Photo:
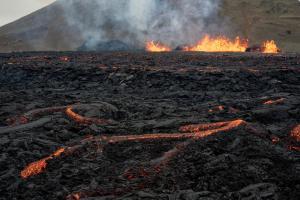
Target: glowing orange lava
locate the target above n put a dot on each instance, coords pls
(204, 130)
(190, 131)
(84, 120)
(40, 165)
(156, 47)
(219, 44)
(34, 168)
(270, 47)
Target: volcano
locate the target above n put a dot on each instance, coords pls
(257, 20)
(213, 119)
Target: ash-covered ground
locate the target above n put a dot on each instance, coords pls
(143, 93)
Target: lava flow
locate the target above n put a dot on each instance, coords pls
(190, 131)
(40, 165)
(156, 166)
(219, 44)
(84, 120)
(157, 47)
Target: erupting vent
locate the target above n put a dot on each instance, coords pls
(270, 47)
(218, 44)
(157, 47)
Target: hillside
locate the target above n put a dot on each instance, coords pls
(257, 20)
(261, 20)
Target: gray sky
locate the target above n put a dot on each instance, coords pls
(11, 10)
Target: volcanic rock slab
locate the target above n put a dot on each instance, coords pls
(54, 102)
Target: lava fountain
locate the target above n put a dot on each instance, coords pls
(219, 44)
(270, 47)
(157, 47)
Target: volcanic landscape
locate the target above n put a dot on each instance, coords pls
(138, 125)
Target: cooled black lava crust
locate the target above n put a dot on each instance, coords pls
(153, 93)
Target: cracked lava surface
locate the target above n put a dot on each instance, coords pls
(149, 126)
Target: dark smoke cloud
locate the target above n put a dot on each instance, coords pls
(136, 21)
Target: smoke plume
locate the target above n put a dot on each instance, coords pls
(135, 21)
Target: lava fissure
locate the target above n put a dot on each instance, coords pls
(217, 44)
(195, 131)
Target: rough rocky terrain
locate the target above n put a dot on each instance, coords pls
(143, 93)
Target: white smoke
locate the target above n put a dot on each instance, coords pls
(173, 22)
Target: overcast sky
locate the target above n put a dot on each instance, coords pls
(11, 10)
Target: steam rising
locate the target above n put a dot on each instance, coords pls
(136, 21)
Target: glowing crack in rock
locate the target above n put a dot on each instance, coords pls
(156, 166)
(84, 120)
(202, 130)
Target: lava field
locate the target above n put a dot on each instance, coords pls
(137, 125)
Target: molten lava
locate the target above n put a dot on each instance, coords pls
(270, 47)
(40, 165)
(84, 120)
(204, 130)
(157, 47)
(219, 44)
(34, 168)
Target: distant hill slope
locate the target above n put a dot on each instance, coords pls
(258, 20)
(43, 30)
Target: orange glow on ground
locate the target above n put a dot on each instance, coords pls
(84, 120)
(203, 130)
(188, 132)
(39, 166)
